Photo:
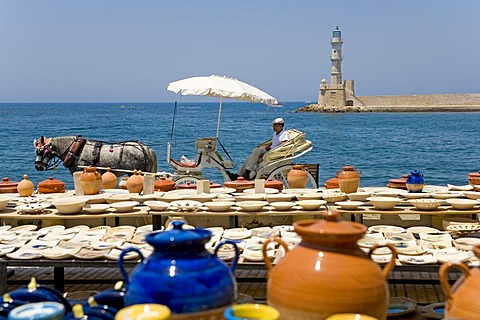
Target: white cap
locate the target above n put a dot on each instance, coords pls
(278, 120)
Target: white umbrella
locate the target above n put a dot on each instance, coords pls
(223, 87)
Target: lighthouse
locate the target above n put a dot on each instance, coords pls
(336, 56)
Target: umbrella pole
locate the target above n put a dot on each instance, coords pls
(219, 114)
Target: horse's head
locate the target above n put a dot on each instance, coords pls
(45, 153)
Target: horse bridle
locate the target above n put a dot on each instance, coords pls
(46, 150)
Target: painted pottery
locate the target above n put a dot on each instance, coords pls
(348, 179)
(462, 298)
(111, 297)
(181, 273)
(415, 182)
(240, 184)
(331, 183)
(38, 311)
(135, 182)
(7, 186)
(297, 177)
(333, 271)
(109, 179)
(164, 184)
(91, 181)
(51, 185)
(251, 311)
(25, 187)
(144, 311)
(474, 178)
(398, 183)
(274, 184)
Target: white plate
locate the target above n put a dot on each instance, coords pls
(26, 227)
(368, 242)
(236, 233)
(396, 237)
(381, 258)
(114, 254)
(386, 228)
(463, 227)
(186, 205)
(267, 191)
(96, 207)
(58, 253)
(451, 255)
(466, 243)
(223, 190)
(256, 255)
(32, 208)
(459, 188)
(422, 229)
(5, 250)
(423, 259)
(24, 254)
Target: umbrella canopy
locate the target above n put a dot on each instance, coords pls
(222, 87)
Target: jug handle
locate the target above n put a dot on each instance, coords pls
(237, 252)
(120, 262)
(268, 263)
(391, 263)
(443, 272)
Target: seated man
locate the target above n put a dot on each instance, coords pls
(280, 136)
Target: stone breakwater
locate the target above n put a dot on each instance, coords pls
(406, 103)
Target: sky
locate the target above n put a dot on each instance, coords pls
(119, 50)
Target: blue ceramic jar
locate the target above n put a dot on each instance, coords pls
(181, 273)
(415, 181)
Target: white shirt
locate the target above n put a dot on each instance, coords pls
(277, 139)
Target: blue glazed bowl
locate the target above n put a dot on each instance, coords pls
(181, 274)
(111, 297)
(38, 311)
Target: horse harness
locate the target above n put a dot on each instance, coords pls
(73, 152)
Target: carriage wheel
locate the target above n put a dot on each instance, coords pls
(281, 174)
(186, 180)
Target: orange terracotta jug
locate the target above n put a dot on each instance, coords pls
(135, 182)
(25, 187)
(91, 181)
(462, 298)
(109, 179)
(327, 273)
(348, 179)
(297, 177)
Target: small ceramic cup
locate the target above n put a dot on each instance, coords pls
(251, 311)
(38, 311)
(350, 316)
(145, 312)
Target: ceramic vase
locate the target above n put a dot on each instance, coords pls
(348, 179)
(462, 298)
(109, 180)
(91, 181)
(25, 187)
(297, 177)
(415, 181)
(334, 273)
(135, 182)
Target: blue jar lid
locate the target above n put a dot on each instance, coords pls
(38, 311)
(178, 237)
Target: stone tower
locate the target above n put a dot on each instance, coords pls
(338, 93)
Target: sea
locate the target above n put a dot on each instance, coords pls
(442, 146)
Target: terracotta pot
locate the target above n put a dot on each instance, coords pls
(331, 183)
(25, 187)
(398, 183)
(297, 177)
(7, 186)
(274, 184)
(333, 270)
(91, 181)
(474, 178)
(240, 184)
(51, 186)
(109, 180)
(190, 185)
(348, 179)
(164, 184)
(135, 182)
(462, 298)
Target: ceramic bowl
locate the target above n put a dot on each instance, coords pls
(350, 316)
(69, 205)
(415, 195)
(42, 310)
(469, 194)
(186, 205)
(425, 204)
(446, 195)
(282, 205)
(124, 206)
(204, 197)
(349, 205)
(144, 311)
(252, 205)
(218, 206)
(251, 311)
(96, 207)
(141, 198)
(157, 205)
(334, 196)
(118, 198)
(250, 197)
(309, 196)
(32, 208)
(3, 202)
(279, 197)
(462, 204)
(359, 196)
(383, 203)
(311, 204)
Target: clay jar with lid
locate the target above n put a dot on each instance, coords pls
(398, 183)
(164, 184)
(25, 187)
(348, 179)
(91, 181)
(240, 184)
(7, 186)
(474, 178)
(51, 185)
(274, 184)
(462, 298)
(334, 273)
(135, 182)
(297, 177)
(109, 179)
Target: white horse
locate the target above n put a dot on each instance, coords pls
(77, 151)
